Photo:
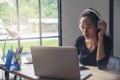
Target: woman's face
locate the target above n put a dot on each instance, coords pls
(87, 28)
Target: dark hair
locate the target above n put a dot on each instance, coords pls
(93, 17)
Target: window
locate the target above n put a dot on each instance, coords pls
(36, 20)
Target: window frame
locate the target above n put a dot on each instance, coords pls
(40, 31)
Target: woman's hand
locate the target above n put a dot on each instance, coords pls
(100, 51)
(103, 26)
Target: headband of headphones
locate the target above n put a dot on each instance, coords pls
(94, 11)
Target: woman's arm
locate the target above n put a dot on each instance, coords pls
(100, 50)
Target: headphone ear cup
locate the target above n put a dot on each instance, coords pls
(98, 28)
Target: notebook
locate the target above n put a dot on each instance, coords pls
(59, 63)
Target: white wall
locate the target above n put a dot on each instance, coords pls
(70, 16)
(117, 28)
(71, 9)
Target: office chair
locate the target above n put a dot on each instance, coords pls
(114, 64)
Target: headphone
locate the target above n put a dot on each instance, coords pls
(94, 11)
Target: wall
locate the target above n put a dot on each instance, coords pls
(71, 9)
(70, 15)
(117, 28)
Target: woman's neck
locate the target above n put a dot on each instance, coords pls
(91, 44)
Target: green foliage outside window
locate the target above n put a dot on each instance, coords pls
(48, 9)
(26, 44)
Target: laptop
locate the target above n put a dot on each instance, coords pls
(59, 63)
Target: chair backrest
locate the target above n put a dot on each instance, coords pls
(114, 64)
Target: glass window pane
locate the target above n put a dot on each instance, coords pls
(49, 17)
(27, 43)
(28, 13)
(50, 42)
(9, 45)
(7, 17)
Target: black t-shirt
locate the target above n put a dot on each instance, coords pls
(89, 58)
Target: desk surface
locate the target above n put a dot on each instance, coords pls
(102, 75)
(27, 72)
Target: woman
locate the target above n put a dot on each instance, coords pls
(94, 47)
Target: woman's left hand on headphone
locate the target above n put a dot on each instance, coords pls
(103, 26)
